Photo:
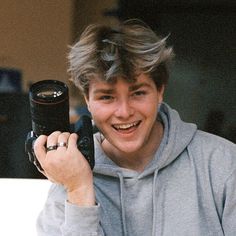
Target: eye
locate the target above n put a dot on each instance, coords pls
(139, 93)
(106, 97)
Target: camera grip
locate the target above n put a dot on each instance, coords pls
(29, 144)
(84, 129)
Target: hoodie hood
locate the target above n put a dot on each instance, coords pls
(177, 135)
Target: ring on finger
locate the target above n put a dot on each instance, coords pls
(51, 148)
(62, 144)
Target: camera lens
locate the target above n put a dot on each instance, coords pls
(49, 104)
(49, 93)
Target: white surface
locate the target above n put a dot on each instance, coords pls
(21, 200)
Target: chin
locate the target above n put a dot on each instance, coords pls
(128, 147)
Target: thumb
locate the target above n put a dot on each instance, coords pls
(39, 147)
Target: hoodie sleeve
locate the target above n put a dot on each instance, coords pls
(61, 218)
(229, 212)
(81, 221)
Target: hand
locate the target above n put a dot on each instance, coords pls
(65, 165)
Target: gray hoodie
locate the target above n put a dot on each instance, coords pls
(189, 189)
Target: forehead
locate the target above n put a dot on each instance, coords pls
(141, 79)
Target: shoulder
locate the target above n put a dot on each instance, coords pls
(213, 154)
(209, 143)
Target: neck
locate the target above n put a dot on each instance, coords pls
(139, 159)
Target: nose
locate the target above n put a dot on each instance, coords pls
(124, 109)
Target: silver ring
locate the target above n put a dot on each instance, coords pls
(51, 148)
(61, 144)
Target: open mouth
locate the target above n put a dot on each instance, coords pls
(126, 127)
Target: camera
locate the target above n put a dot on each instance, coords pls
(49, 108)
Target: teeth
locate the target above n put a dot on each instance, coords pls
(125, 126)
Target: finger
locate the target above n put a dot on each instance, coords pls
(72, 141)
(52, 140)
(63, 140)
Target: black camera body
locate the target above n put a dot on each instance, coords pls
(49, 107)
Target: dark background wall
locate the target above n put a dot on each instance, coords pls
(202, 86)
(15, 123)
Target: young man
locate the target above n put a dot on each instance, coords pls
(154, 173)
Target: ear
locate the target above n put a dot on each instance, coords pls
(86, 98)
(161, 93)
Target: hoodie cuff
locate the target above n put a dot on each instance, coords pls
(82, 219)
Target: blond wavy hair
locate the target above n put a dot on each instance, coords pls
(125, 50)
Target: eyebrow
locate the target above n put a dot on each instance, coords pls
(131, 88)
(107, 91)
(138, 86)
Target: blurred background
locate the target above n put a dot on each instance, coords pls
(35, 38)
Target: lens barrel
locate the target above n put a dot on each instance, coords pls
(49, 106)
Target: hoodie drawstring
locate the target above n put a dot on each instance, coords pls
(154, 203)
(123, 218)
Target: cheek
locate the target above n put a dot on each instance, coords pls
(99, 113)
(151, 113)
(149, 107)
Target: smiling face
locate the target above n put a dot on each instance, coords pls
(125, 112)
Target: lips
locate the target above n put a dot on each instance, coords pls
(127, 126)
